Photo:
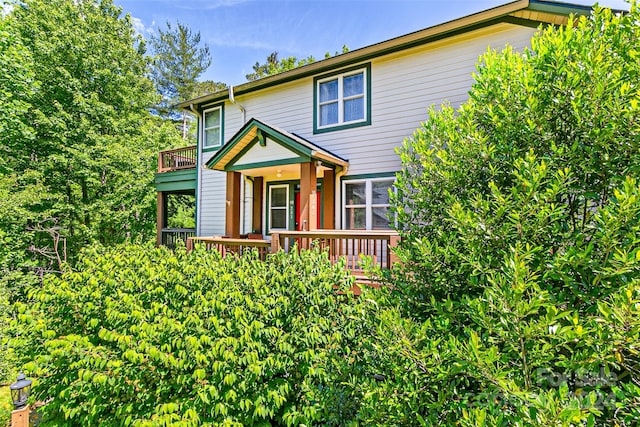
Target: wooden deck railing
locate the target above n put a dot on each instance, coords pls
(227, 246)
(177, 159)
(346, 244)
(340, 244)
(170, 236)
(350, 245)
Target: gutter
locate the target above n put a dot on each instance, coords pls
(366, 53)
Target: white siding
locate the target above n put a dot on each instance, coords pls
(247, 206)
(271, 151)
(404, 86)
(212, 188)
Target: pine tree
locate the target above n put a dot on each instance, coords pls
(180, 58)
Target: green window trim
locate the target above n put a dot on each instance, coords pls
(366, 205)
(291, 220)
(209, 148)
(339, 76)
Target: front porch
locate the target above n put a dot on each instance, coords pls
(275, 190)
(293, 181)
(355, 248)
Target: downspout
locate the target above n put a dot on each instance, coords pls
(232, 99)
(198, 171)
(338, 214)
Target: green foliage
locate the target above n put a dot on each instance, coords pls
(87, 145)
(519, 287)
(146, 336)
(274, 65)
(18, 89)
(181, 211)
(206, 87)
(78, 143)
(179, 61)
(5, 405)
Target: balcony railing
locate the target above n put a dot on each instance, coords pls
(177, 159)
(170, 236)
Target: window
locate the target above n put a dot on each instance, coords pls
(212, 128)
(366, 204)
(279, 207)
(342, 100)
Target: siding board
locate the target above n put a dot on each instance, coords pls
(404, 85)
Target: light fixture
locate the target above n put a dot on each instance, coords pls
(20, 391)
(279, 173)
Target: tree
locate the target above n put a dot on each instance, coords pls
(179, 60)
(90, 141)
(19, 87)
(207, 87)
(273, 65)
(520, 212)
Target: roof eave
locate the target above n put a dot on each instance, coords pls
(362, 53)
(395, 44)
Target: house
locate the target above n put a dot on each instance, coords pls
(313, 148)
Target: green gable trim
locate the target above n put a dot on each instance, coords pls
(289, 161)
(367, 122)
(293, 147)
(176, 181)
(267, 132)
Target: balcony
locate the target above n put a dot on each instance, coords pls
(177, 159)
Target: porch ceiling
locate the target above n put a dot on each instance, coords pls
(281, 149)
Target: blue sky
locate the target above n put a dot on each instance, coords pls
(241, 32)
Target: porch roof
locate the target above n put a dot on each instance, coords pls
(291, 149)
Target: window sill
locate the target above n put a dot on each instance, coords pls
(208, 149)
(341, 127)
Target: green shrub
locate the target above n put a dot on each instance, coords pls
(519, 289)
(145, 336)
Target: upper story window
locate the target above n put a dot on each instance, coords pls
(212, 128)
(366, 203)
(342, 100)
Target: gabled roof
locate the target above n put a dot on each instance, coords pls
(256, 132)
(522, 12)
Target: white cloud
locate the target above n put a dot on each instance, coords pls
(232, 40)
(199, 5)
(6, 8)
(140, 28)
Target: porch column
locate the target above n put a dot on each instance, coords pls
(232, 217)
(328, 199)
(256, 213)
(161, 216)
(307, 189)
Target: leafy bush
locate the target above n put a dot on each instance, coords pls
(144, 336)
(519, 289)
